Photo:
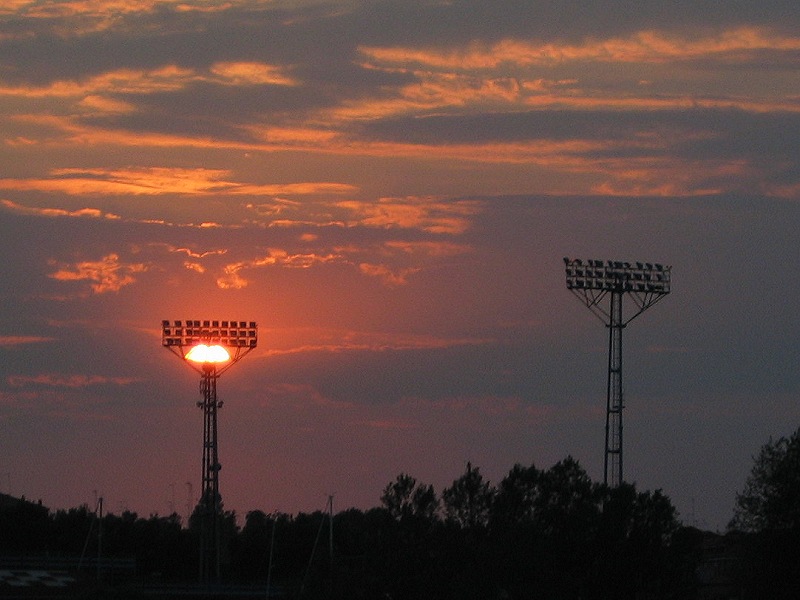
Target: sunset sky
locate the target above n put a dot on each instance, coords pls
(388, 187)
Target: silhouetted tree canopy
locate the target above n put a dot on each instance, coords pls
(468, 501)
(770, 500)
(768, 510)
(515, 496)
(405, 498)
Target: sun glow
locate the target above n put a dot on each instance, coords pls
(208, 354)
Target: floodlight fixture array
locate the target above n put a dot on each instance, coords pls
(592, 282)
(210, 347)
(238, 337)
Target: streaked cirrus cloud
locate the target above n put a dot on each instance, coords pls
(157, 181)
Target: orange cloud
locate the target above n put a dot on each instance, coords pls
(643, 47)
(389, 276)
(106, 275)
(160, 181)
(149, 181)
(93, 213)
(412, 213)
(168, 78)
(787, 191)
(193, 266)
(67, 131)
(580, 100)
(67, 381)
(233, 274)
(105, 11)
(475, 76)
(315, 339)
(432, 90)
(669, 177)
(305, 188)
(432, 215)
(91, 92)
(20, 340)
(572, 156)
(98, 104)
(250, 73)
(467, 93)
(435, 249)
(292, 135)
(232, 278)
(193, 253)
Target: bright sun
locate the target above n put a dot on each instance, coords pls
(208, 354)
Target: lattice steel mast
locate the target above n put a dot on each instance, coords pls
(593, 281)
(210, 348)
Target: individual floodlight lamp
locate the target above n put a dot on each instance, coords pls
(210, 348)
(592, 282)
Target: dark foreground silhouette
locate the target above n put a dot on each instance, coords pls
(549, 534)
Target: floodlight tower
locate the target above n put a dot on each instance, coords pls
(210, 348)
(593, 281)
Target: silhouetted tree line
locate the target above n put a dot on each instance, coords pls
(550, 533)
